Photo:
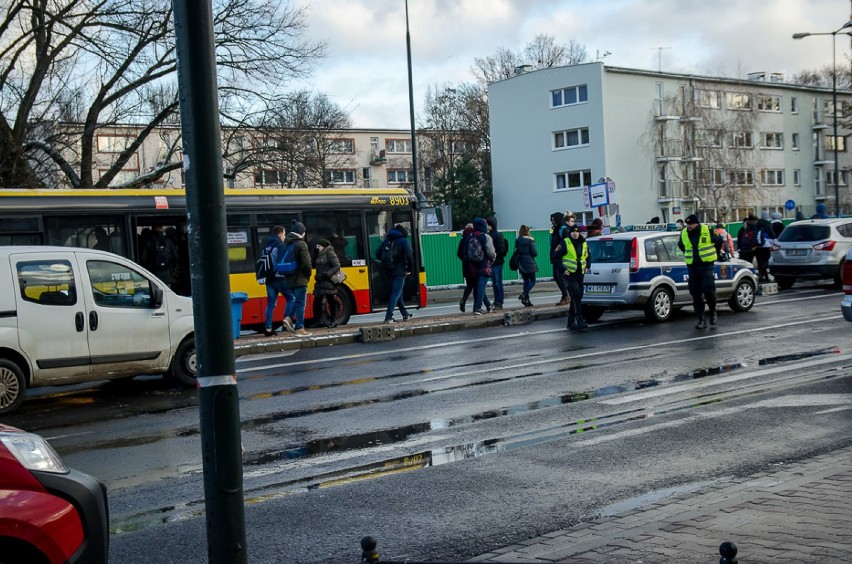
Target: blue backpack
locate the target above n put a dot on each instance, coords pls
(287, 263)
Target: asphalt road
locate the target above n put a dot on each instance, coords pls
(446, 446)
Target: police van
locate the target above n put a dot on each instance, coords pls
(644, 269)
(70, 315)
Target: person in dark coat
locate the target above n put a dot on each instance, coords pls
(325, 290)
(525, 246)
(403, 265)
(698, 244)
(294, 312)
(558, 233)
(160, 256)
(276, 284)
(577, 262)
(777, 225)
(469, 278)
(481, 271)
(501, 248)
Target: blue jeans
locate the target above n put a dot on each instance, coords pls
(295, 309)
(397, 283)
(479, 296)
(529, 282)
(497, 283)
(273, 288)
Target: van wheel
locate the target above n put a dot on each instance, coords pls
(184, 368)
(743, 297)
(13, 386)
(659, 307)
(785, 282)
(592, 313)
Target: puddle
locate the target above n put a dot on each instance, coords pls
(798, 356)
(712, 371)
(653, 497)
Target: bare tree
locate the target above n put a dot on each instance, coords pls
(540, 53)
(74, 68)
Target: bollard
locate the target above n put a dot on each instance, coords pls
(368, 550)
(727, 549)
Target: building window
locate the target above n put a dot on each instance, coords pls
(398, 145)
(744, 177)
(841, 143)
(571, 138)
(797, 177)
(773, 177)
(742, 140)
(795, 141)
(708, 99)
(794, 105)
(460, 146)
(739, 101)
(113, 143)
(768, 103)
(569, 96)
(573, 179)
(400, 176)
(829, 178)
(341, 146)
(712, 176)
(270, 177)
(772, 140)
(340, 176)
(710, 138)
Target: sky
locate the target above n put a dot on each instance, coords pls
(366, 70)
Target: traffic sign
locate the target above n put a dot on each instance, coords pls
(789, 205)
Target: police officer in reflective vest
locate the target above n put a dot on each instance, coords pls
(575, 259)
(698, 244)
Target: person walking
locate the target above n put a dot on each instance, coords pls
(481, 269)
(777, 225)
(725, 249)
(577, 263)
(525, 247)
(558, 233)
(763, 246)
(699, 249)
(297, 281)
(325, 289)
(501, 248)
(276, 284)
(397, 260)
(746, 239)
(469, 279)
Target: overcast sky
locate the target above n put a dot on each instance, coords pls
(366, 70)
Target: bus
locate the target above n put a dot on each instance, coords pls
(354, 220)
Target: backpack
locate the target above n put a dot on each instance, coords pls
(747, 243)
(388, 254)
(162, 253)
(473, 251)
(287, 262)
(761, 237)
(264, 269)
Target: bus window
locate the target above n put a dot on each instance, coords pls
(103, 233)
(20, 231)
(344, 231)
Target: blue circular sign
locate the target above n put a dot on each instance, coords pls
(789, 205)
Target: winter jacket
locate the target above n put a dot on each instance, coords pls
(327, 266)
(526, 254)
(501, 245)
(302, 275)
(480, 231)
(404, 256)
(557, 236)
(460, 251)
(777, 228)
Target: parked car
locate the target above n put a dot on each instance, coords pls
(811, 249)
(48, 512)
(645, 270)
(846, 275)
(72, 315)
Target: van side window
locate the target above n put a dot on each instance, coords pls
(47, 282)
(115, 285)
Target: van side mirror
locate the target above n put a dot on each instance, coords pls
(156, 296)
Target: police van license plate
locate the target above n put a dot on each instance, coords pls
(599, 288)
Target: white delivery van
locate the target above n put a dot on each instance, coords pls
(70, 315)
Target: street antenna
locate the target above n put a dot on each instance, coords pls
(660, 57)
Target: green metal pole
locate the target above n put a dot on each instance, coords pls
(219, 411)
(411, 110)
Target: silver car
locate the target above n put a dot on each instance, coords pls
(645, 270)
(846, 275)
(811, 249)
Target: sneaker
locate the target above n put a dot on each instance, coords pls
(288, 324)
(479, 312)
(390, 320)
(268, 332)
(700, 324)
(713, 318)
(489, 309)
(498, 307)
(407, 316)
(300, 331)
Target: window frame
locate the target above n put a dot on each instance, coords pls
(345, 172)
(409, 176)
(391, 146)
(777, 174)
(565, 133)
(739, 101)
(766, 135)
(581, 96)
(775, 103)
(703, 99)
(566, 175)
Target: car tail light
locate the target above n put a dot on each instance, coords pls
(825, 246)
(634, 255)
(775, 248)
(847, 277)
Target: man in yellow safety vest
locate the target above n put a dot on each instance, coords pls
(576, 261)
(698, 244)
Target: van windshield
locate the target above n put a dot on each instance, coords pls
(609, 250)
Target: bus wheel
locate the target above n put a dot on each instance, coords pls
(13, 386)
(343, 302)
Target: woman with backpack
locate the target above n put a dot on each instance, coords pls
(325, 289)
(469, 279)
(525, 248)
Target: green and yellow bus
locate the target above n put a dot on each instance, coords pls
(354, 220)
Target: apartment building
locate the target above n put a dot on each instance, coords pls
(672, 144)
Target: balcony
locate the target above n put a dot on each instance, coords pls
(378, 158)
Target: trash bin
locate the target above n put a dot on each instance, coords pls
(237, 301)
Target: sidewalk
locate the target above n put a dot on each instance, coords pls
(798, 513)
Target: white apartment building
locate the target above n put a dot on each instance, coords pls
(673, 144)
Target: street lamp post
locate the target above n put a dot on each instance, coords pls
(833, 35)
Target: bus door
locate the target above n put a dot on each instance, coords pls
(174, 227)
(378, 224)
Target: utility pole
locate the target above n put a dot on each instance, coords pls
(411, 110)
(218, 400)
(660, 57)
